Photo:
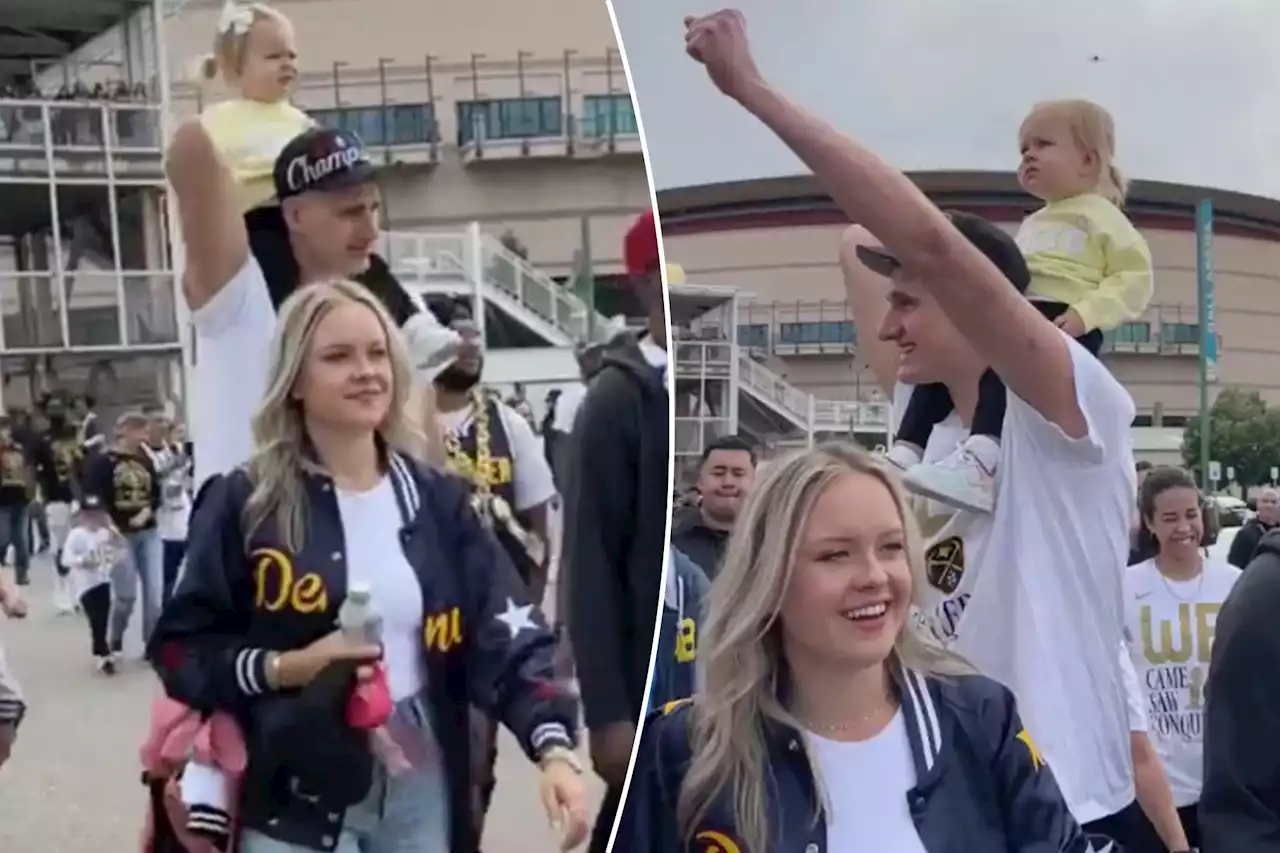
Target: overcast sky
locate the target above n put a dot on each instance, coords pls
(1194, 85)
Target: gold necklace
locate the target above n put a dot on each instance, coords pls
(856, 722)
(1195, 596)
(475, 470)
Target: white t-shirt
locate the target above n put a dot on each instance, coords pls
(1170, 627)
(867, 784)
(175, 502)
(233, 334)
(530, 473)
(89, 554)
(567, 406)
(371, 523)
(1133, 693)
(1032, 593)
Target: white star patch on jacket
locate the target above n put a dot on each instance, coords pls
(517, 618)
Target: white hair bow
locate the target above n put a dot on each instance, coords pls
(236, 18)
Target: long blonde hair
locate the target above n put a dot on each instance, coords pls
(279, 432)
(1093, 130)
(740, 658)
(229, 42)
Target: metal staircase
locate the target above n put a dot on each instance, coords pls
(456, 262)
(805, 412)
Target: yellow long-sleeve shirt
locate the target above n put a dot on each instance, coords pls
(249, 135)
(1084, 252)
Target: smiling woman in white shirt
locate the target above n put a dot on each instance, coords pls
(823, 719)
(1171, 608)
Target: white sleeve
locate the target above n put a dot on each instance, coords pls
(567, 408)
(1133, 692)
(233, 333)
(73, 550)
(534, 484)
(1107, 407)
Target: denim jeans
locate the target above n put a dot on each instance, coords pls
(13, 532)
(408, 813)
(142, 570)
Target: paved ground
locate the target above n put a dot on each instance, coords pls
(72, 784)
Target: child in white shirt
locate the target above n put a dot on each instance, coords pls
(91, 552)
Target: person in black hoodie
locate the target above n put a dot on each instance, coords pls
(616, 526)
(1240, 801)
(1252, 531)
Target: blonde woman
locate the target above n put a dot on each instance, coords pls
(333, 498)
(823, 722)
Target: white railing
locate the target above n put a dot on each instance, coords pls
(771, 387)
(475, 257)
(805, 411)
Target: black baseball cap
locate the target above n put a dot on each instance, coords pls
(990, 239)
(321, 159)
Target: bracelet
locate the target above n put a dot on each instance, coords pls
(273, 670)
(562, 754)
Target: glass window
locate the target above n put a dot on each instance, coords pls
(604, 116)
(1129, 333)
(510, 118)
(755, 335)
(399, 124)
(1180, 333)
(825, 332)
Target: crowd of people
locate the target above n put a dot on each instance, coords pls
(999, 633)
(68, 125)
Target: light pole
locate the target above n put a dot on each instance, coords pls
(1208, 358)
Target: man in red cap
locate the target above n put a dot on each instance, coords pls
(616, 524)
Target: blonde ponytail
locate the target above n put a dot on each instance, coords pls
(1115, 186)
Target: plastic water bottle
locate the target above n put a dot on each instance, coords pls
(358, 618)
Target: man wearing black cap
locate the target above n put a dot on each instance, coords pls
(1030, 593)
(329, 204)
(616, 523)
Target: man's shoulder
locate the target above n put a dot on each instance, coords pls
(242, 304)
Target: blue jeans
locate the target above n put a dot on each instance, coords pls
(13, 531)
(408, 813)
(142, 570)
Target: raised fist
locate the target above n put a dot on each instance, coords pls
(719, 42)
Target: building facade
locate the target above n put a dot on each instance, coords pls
(513, 116)
(775, 242)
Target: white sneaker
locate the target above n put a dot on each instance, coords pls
(902, 456)
(960, 480)
(62, 597)
(432, 347)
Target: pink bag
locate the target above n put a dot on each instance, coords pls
(176, 735)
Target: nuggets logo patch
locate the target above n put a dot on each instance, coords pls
(944, 563)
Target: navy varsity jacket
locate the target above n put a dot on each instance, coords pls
(244, 593)
(981, 783)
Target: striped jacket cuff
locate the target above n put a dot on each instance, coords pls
(208, 821)
(12, 710)
(548, 735)
(251, 671)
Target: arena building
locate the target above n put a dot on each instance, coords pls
(509, 144)
(773, 244)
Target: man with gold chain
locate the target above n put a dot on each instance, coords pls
(494, 448)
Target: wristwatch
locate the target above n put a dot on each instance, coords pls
(562, 754)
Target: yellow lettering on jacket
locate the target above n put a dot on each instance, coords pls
(443, 631)
(277, 586)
